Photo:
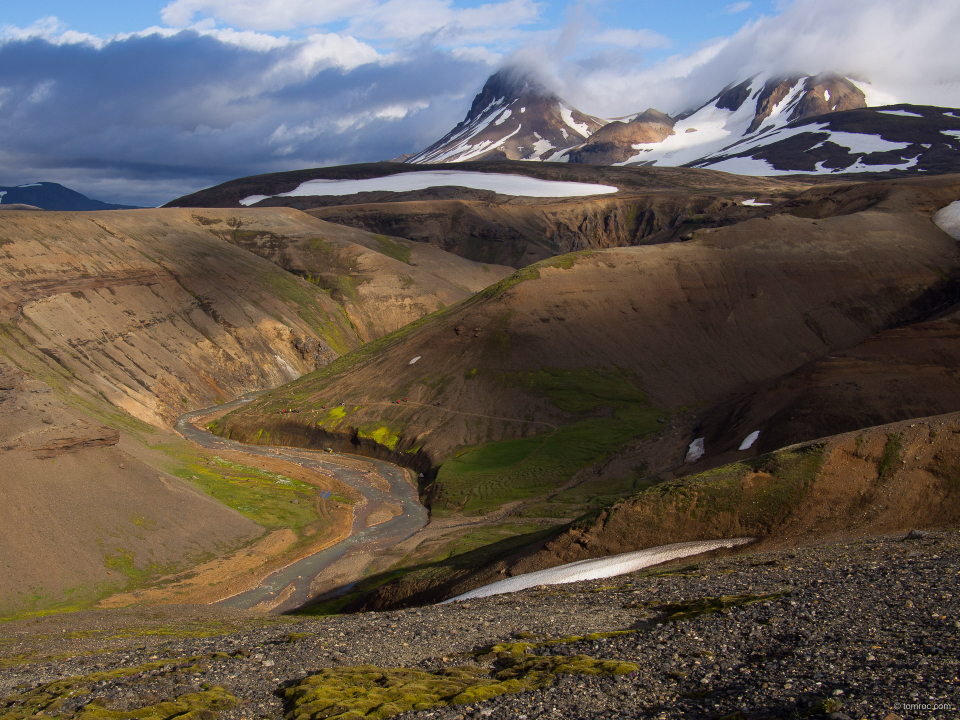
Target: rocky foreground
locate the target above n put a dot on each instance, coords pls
(861, 629)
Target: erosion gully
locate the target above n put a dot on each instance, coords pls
(292, 583)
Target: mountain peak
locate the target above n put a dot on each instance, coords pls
(506, 85)
(515, 117)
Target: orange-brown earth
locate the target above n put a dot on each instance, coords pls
(114, 323)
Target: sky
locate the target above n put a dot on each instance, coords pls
(139, 102)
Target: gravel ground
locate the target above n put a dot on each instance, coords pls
(863, 629)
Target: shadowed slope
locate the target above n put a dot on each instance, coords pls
(612, 335)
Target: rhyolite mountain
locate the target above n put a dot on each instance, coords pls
(53, 196)
(764, 125)
(514, 117)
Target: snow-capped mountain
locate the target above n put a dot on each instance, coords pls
(514, 117)
(765, 125)
(916, 138)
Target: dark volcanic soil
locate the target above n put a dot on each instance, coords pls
(865, 629)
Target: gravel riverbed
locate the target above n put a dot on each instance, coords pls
(860, 629)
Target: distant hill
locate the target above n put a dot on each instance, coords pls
(53, 196)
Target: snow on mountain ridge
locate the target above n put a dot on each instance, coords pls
(767, 124)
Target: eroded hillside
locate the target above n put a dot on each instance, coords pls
(157, 312)
(112, 325)
(514, 391)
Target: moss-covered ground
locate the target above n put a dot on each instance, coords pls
(392, 248)
(264, 497)
(606, 408)
(73, 698)
(779, 481)
(372, 692)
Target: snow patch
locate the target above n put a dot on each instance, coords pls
(540, 147)
(695, 451)
(901, 113)
(30, 185)
(503, 116)
(753, 202)
(948, 219)
(749, 440)
(861, 143)
(415, 359)
(746, 166)
(251, 199)
(601, 568)
(826, 95)
(567, 115)
(2, 193)
(860, 166)
(952, 133)
(502, 183)
(523, 109)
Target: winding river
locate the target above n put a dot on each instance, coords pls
(292, 583)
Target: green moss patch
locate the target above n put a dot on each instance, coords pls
(71, 698)
(760, 492)
(532, 272)
(889, 460)
(371, 692)
(264, 497)
(607, 409)
(380, 435)
(393, 249)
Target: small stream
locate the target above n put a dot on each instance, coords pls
(301, 573)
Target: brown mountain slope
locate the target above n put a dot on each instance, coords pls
(613, 143)
(156, 312)
(382, 283)
(601, 343)
(82, 513)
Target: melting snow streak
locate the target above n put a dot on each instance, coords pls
(602, 568)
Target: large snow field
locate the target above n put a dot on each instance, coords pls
(601, 568)
(862, 143)
(948, 219)
(403, 182)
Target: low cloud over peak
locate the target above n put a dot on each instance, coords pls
(234, 87)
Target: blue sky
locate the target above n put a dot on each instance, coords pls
(140, 102)
(686, 23)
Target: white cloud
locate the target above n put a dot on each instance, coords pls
(906, 48)
(737, 7)
(624, 37)
(48, 28)
(389, 20)
(266, 15)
